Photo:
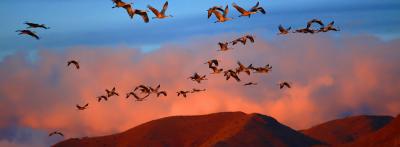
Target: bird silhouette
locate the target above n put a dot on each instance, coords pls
(222, 17)
(111, 92)
(161, 93)
(194, 90)
(160, 15)
(243, 39)
(243, 68)
(211, 62)
(157, 91)
(223, 46)
(28, 32)
(305, 31)
(216, 70)
(196, 77)
(256, 8)
(283, 31)
(329, 27)
(267, 68)
(183, 93)
(74, 62)
(131, 12)
(35, 25)
(284, 84)
(214, 8)
(230, 73)
(82, 107)
(56, 133)
(249, 83)
(248, 13)
(99, 98)
(119, 4)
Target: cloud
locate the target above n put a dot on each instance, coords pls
(330, 76)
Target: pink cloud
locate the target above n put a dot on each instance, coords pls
(330, 76)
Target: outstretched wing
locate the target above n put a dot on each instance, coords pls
(129, 10)
(33, 35)
(238, 8)
(218, 15)
(154, 10)
(309, 23)
(143, 14)
(165, 7)
(256, 6)
(261, 9)
(281, 28)
(226, 11)
(251, 38)
(162, 93)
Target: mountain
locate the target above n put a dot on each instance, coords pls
(388, 136)
(348, 129)
(218, 129)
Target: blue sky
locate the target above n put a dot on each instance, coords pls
(95, 23)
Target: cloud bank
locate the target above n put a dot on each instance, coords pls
(331, 77)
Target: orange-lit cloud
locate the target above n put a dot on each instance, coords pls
(330, 76)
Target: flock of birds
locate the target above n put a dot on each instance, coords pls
(141, 92)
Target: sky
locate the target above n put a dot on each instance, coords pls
(335, 74)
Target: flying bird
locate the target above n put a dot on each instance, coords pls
(223, 46)
(119, 3)
(249, 83)
(222, 17)
(214, 8)
(160, 15)
(211, 62)
(56, 133)
(267, 68)
(111, 92)
(99, 98)
(161, 93)
(329, 27)
(305, 31)
(35, 25)
(308, 28)
(28, 32)
(250, 37)
(230, 73)
(74, 62)
(131, 12)
(241, 40)
(126, 6)
(256, 8)
(194, 90)
(284, 84)
(157, 91)
(216, 70)
(248, 13)
(196, 77)
(283, 31)
(82, 107)
(243, 68)
(183, 93)
(244, 39)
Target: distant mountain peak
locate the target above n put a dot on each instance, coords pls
(217, 129)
